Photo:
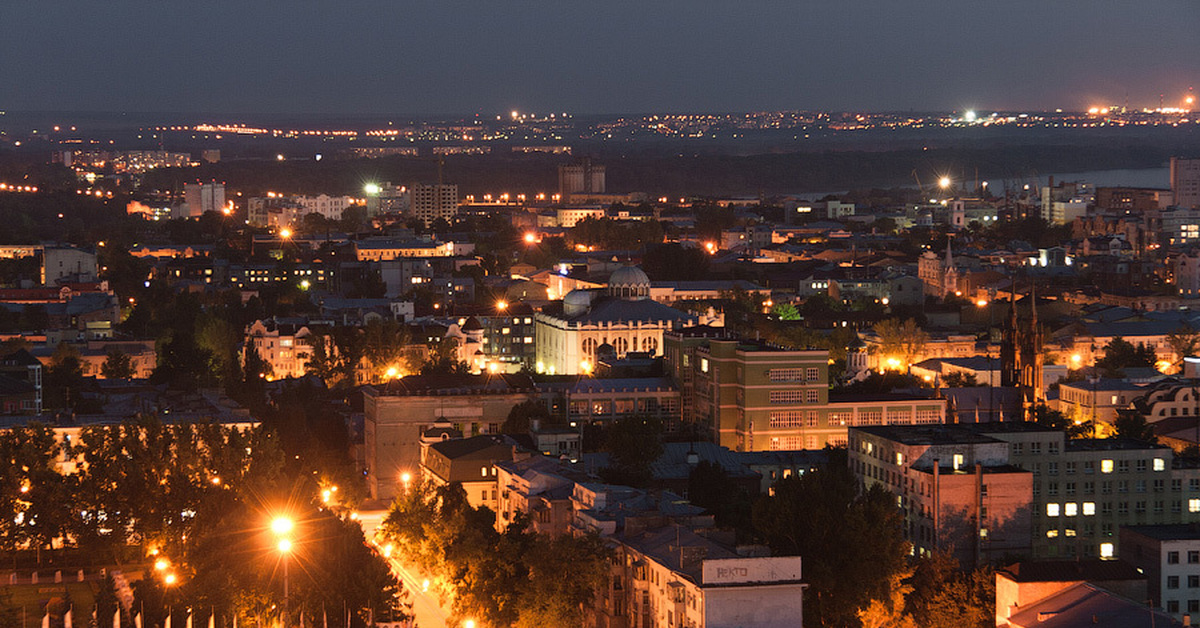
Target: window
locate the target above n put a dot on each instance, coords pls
(787, 418)
(786, 375)
(1106, 466)
(1193, 605)
(1141, 466)
(1194, 505)
(812, 396)
(1052, 509)
(1106, 550)
(1172, 558)
(1172, 606)
(813, 374)
(1122, 466)
(703, 365)
(1070, 509)
(1172, 582)
(1051, 534)
(1069, 468)
(786, 396)
(1193, 557)
(1051, 468)
(1089, 509)
(1160, 464)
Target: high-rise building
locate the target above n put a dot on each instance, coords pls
(1185, 181)
(430, 202)
(202, 197)
(583, 177)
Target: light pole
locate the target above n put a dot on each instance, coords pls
(282, 527)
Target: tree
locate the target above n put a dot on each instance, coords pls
(901, 341)
(941, 594)
(520, 419)
(890, 613)
(1120, 354)
(1055, 419)
(64, 378)
(1184, 342)
(633, 444)
(786, 312)
(1132, 424)
(852, 541)
(383, 347)
(958, 379)
(117, 365)
(711, 488)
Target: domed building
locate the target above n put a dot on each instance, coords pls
(622, 316)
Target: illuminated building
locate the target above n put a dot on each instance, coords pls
(571, 333)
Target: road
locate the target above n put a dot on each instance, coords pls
(427, 612)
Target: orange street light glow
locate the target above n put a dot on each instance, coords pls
(282, 525)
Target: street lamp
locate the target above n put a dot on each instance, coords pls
(282, 526)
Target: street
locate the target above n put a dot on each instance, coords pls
(425, 608)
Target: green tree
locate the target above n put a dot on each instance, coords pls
(1043, 415)
(675, 262)
(942, 594)
(958, 379)
(852, 541)
(1132, 424)
(64, 377)
(633, 444)
(711, 488)
(1184, 342)
(520, 419)
(1120, 354)
(902, 341)
(786, 312)
(117, 365)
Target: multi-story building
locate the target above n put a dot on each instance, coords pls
(580, 178)
(383, 250)
(753, 396)
(471, 462)
(572, 333)
(672, 576)
(1185, 181)
(1083, 491)
(397, 413)
(203, 197)
(281, 344)
(68, 264)
(955, 486)
(431, 202)
(1097, 400)
(1169, 556)
(606, 400)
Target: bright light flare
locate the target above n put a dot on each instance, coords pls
(282, 525)
(285, 546)
(944, 182)
(285, 233)
(530, 238)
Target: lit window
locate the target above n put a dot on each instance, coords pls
(958, 461)
(703, 365)
(1050, 534)
(1052, 509)
(1089, 509)
(1070, 509)
(1160, 464)
(1106, 550)
(1106, 466)
(1194, 505)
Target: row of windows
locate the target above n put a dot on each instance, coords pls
(794, 418)
(794, 396)
(802, 375)
(1071, 509)
(1106, 487)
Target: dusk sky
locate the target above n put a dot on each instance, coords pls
(453, 56)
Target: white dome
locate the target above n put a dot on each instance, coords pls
(577, 302)
(629, 283)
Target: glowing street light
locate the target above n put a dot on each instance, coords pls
(944, 182)
(285, 233)
(501, 305)
(285, 546)
(282, 525)
(371, 188)
(530, 238)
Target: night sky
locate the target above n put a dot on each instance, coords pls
(452, 56)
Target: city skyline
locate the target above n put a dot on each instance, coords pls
(374, 57)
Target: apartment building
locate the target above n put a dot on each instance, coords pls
(753, 396)
(1169, 556)
(1082, 491)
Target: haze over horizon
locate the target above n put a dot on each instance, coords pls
(373, 57)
